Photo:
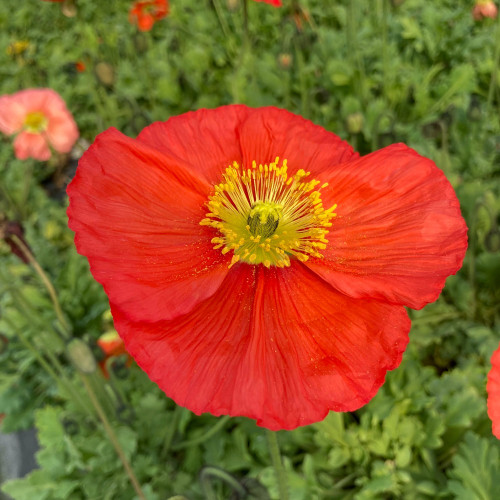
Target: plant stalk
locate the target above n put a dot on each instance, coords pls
(274, 451)
(112, 437)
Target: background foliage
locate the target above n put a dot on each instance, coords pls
(374, 72)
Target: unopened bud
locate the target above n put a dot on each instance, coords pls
(81, 356)
(105, 73)
(13, 234)
(355, 123)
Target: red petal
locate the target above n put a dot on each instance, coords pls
(493, 389)
(211, 139)
(399, 232)
(206, 139)
(270, 132)
(278, 345)
(136, 216)
(275, 3)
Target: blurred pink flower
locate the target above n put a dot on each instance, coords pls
(40, 119)
(484, 8)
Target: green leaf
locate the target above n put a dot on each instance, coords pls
(476, 470)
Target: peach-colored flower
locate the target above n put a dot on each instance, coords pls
(484, 8)
(40, 119)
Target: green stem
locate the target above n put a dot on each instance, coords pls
(170, 432)
(46, 281)
(216, 428)
(493, 81)
(222, 20)
(274, 451)
(212, 472)
(112, 437)
(304, 100)
(246, 33)
(382, 6)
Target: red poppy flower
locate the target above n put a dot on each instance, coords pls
(232, 281)
(146, 13)
(493, 389)
(276, 3)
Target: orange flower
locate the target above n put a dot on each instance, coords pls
(40, 119)
(484, 8)
(145, 13)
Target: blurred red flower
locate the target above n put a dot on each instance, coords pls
(80, 66)
(276, 3)
(41, 119)
(484, 8)
(112, 345)
(493, 389)
(146, 13)
(234, 286)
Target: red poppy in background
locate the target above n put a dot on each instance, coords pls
(234, 280)
(493, 389)
(41, 120)
(80, 66)
(112, 345)
(146, 13)
(276, 3)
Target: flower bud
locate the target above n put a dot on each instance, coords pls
(10, 232)
(355, 123)
(81, 356)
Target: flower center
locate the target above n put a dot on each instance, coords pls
(266, 216)
(35, 122)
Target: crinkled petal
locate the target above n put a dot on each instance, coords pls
(28, 145)
(493, 389)
(136, 216)
(271, 132)
(399, 232)
(211, 139)
(207, 139)
(277, 345)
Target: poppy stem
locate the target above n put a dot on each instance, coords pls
(46, 281)
(274, 451)
(494, 71)
(112, 437)
(245, 22)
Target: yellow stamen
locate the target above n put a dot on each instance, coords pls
(35, 122)
(265, 216)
